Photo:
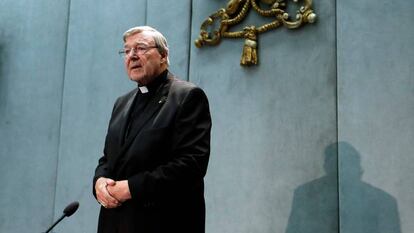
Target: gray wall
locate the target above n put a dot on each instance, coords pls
(376, 109)
(274, 165)
(32, 58)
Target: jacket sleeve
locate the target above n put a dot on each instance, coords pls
(102, 170)
(190, 153)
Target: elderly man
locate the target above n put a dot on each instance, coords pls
(150, 177)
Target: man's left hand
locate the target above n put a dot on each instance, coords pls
(120, 190)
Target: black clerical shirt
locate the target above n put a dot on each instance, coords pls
(142, 99)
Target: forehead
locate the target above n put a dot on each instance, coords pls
(141, 37)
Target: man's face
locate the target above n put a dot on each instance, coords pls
(144, 67)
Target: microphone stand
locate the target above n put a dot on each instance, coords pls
(54, 224)
(68, 211)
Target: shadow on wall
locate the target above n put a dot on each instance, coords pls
(362, 208)
(315, 204)
(4, 39)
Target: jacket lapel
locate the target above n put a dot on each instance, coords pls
(124, 118)
(152, 107)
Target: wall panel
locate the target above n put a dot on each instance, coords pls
(94, 78)
(271, 124)
(173, 19)
(32, 51)
(376, 109)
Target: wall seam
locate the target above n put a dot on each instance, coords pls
(337, 116)
(146, 12)
(190, 22)
(61, 106)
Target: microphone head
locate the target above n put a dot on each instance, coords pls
(71, 208)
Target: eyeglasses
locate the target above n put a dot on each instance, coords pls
(138, 49)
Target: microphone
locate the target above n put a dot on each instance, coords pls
(68, 211)
(71, 208)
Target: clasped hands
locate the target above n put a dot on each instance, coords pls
(111, 193)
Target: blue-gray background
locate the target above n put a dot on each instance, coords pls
(275, 165)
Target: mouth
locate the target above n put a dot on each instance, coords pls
(135, 66)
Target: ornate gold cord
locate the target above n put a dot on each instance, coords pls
(237, 10)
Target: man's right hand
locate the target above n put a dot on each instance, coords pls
(103, 195)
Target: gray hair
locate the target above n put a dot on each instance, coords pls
(159, 39)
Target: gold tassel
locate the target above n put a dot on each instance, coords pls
(249, 56)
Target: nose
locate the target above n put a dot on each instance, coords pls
(133, 56)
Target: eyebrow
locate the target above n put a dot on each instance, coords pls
(137, 44)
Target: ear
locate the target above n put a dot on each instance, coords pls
(164, 57)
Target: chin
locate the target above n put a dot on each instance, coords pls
(136, 79)
(143, 80)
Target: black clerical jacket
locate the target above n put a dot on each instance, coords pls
(164, 158)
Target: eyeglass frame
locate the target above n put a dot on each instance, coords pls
(138, 49)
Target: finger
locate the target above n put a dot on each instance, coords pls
(109, 199)
(104, 188)
(104, 197)
(108, 203)
(102, 204)
(100, 181)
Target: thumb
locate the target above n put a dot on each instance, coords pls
(110, 182)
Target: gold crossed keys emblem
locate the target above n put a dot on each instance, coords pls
(237, 10)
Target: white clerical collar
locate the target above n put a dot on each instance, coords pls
(143, 89)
